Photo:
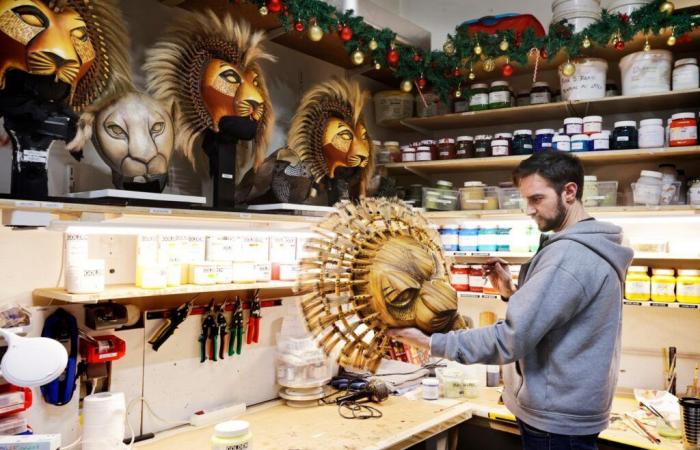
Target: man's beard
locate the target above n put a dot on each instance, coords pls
(556, 221)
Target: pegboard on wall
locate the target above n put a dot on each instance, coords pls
(176, 384)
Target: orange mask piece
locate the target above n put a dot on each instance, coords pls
(228, 91)
(40, 41)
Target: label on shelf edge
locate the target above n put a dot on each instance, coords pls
(160, 211)
(688, 306)
(27, 203)
(658, 305)
(52, 205)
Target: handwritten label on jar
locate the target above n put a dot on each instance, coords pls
(479, 100)
(601, 144)
(499, 150)
(538, 98)
(663, 289)
(622, 138)
(636, 287)
(499, 97)
(688, 289)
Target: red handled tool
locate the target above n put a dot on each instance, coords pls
(254, 319)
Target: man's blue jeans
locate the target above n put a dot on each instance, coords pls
(534, 439)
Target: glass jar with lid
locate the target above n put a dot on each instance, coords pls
(446, 149)
(423, 153)
(694, 192)
(472, 195)
(647, 189)
(500, 147)
(590, 190)
(408, 154)
(482, 145)
(540, 93)
(685, 74)
(465, 147)
(624, 135)
(580, 143)
(522, 142)
(592, 124)
(499, 95)
(638, 284)
(479, 97)
(600, 141)
(523, 98)
(505, 136)
(394, 150)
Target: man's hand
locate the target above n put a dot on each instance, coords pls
(410, 336)
(498, 272)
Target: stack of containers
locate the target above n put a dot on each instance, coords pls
(625, 6)
(579, 13)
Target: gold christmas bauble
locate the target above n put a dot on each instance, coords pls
(503, 45)
(586, 42)
(373, 45)
(472, 76)
(263, 10)
(477, 49)
(449, 47)
(667, 8)
(406, 86)
(647, 46)
(489, 65)
(568, 69)
(377, 66)
(458, 94)
(358, 58)
(671, 41)
(315, 33)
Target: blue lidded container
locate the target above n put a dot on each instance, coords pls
(468, 239)
(543, 139)
(581, 143)
(449, 235)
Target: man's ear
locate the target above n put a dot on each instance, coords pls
(570, 190)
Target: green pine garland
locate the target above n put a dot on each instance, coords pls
(438, 67)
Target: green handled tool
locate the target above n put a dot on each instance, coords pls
(236, 330)
(209, 332)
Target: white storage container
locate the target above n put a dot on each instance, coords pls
(587, 83)
(646, 72)
(579, 13)
(625, 6)
(392, 105)
(686, 74)
(647, 190)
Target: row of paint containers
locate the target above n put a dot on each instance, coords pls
(582, 13)
(164, 260)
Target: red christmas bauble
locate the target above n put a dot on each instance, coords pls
(392, 57)
(421, 83)
(624, 18)
(456, 72)
(684, 39)
(417, 58)
(274, 6)
(346, 34)
(620, 45)
(507, 70)
(299, 27)
(544, 54)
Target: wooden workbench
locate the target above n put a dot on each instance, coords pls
(276, 426)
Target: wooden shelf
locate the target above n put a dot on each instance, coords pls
(117, 292)
(591, 158)
(616, 211)
(552, 111)
(647, 304)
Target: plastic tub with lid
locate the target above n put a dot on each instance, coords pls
(392, 105)
(588, 82)
(646, 72)
(663, 285)
(647, 189)
(688, 286)
(472, 196)
(626, 6)
(638, 284)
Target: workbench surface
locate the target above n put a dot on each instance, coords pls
(407, 420)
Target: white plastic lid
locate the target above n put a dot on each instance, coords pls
(483, 137)
(479, 86)
(545, 131)
(652, 174)
(593, 119)
(540, 84)
(423, 149)
(444, 183)
(378, 143)
(600, 135)
(504, 136)
(460, 266)
(651, 122)
(643, 269)
(408, 149)
(684, 61)
(473, 184)
(561, 138)
(231, 428)
(465, 138)
(499, 143)
(580, 137)
(625, 123)
(590, 178)
(688, 272)
(499, 83)
(663, 271)
(430, 382)
(521, 132)
(573, 120)
(393, 143)
(446, 141)
(685, 115)
(427, 142)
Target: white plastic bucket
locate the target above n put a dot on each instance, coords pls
(587, 83)
(625, 6)
(580, 22)
(566, 5)
(646, 72)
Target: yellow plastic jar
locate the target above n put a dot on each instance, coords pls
(688, 286)
(638, 284)
(663, 285)
(234, 434)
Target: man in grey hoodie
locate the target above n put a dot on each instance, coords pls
(560, 339)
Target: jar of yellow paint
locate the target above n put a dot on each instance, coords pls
(234, 434)
(688, 286)
(663, 285)
(637, 284)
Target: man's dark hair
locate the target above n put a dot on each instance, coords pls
(558, 168)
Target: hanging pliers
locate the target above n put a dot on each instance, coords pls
(209, 333)
(222, 329)
(254, 319)
(235, 341)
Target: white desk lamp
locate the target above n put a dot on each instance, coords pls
(32, 361)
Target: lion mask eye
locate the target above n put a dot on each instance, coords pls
(115, 131)
(231, 76)
(31, 16)
(157, 128)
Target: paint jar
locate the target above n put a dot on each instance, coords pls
(431, 388)
(683, 130)
(561, 143)
(580, 143)
(600, 141)
(465, 147)
(685, 74)
(522, 142)
(638, 284)
(468, 239)
(471, 196)
(651, 133)
(540, 93)
(499, 95)
(423, 153)
(573, 125)
(408, 154)
(592, 124)
(479, 98)
(460, 277)
(449, 235)
(624, 135)
(663, 285)
(446, 149)
(233, 434)
(482, 145)
(543, 139)
(500, 147)
(688, 286)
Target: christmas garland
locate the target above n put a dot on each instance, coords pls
(445, 72)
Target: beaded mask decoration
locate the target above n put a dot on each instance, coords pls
(375, 265)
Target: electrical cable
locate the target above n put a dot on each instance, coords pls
(72, 444)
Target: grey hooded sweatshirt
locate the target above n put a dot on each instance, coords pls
(562, 332)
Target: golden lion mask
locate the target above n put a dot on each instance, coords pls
(375, 265)
(207, 66)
